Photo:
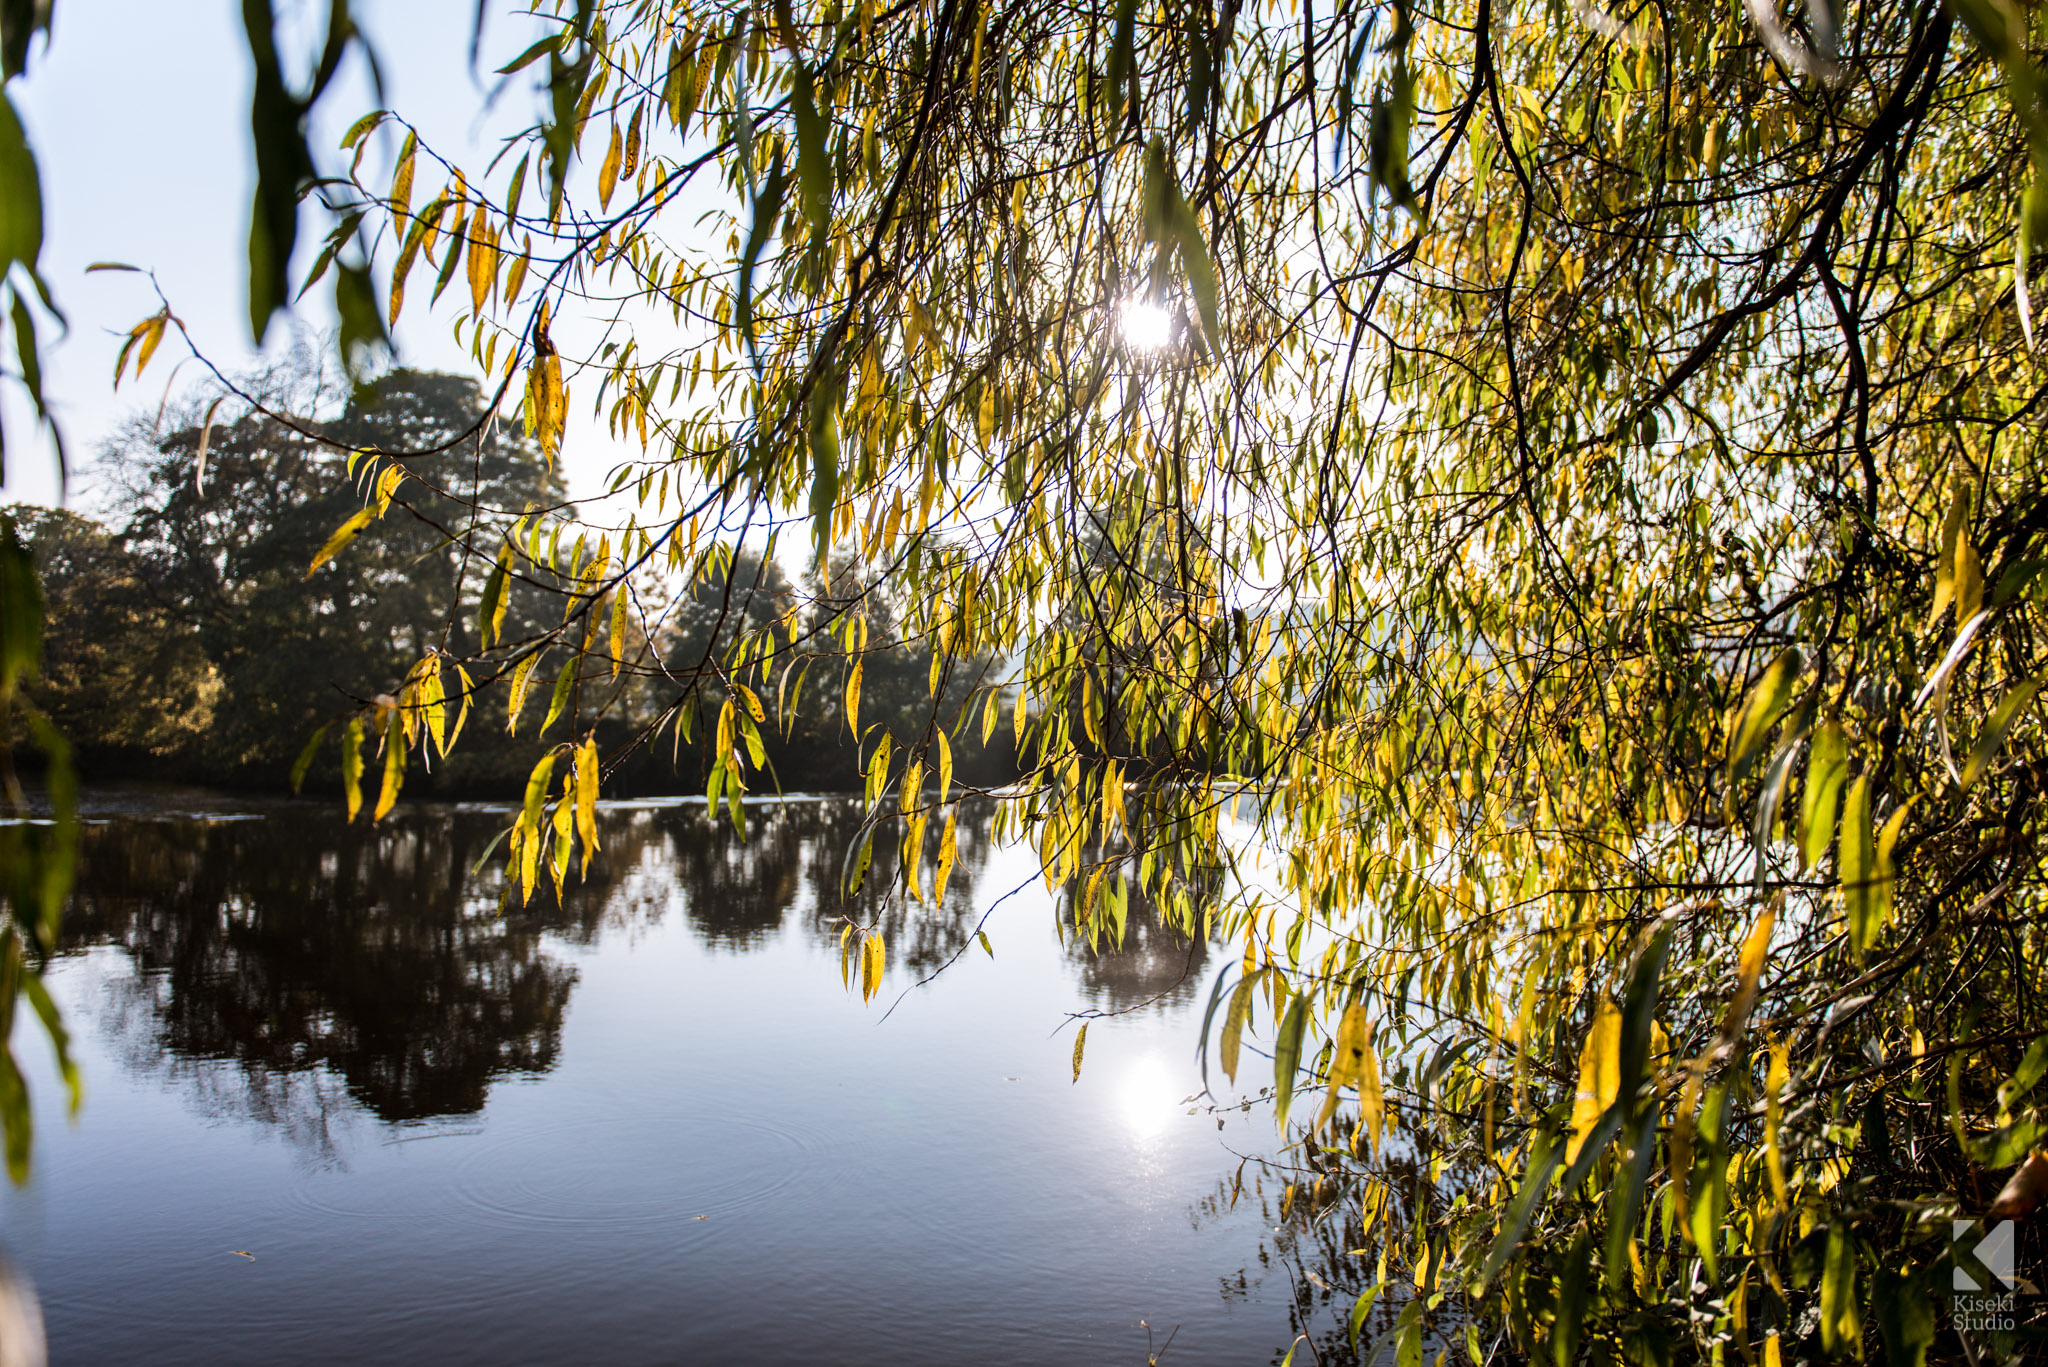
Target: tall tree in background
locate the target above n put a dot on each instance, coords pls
(221, 546)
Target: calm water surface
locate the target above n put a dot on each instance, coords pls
(644, 1126)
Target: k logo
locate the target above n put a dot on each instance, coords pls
(1982, 1257)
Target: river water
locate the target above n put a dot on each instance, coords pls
(343, 1108)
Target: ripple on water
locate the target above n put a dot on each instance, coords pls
(633, 1171)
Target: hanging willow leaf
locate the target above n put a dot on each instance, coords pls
(1287, 1056)
(1857, 860)
(1827, 766)
(1749, 724)
(339, 542)
(1992, 739)
(1234, 1021)
(1599, 1076)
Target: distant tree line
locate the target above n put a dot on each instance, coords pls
(186, 640)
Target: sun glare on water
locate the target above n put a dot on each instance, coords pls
(1148, 1096)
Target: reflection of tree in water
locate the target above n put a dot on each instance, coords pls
(340, 968)
(1155, 966)
(1320, 1245)
(921, 937)
(298, 944)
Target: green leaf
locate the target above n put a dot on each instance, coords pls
(813, 161)
(21, 194)
(21, 610)
(20, 21)
(767, 208)
(1638, 1014)
(305, 759)
(564, 681)
(1753, 720)
(1287, 1055)
(1361, 1308)
(1905, 1316)
(1234, 1019)
(1572, 1288)
(550, 44)
(490, 613)
(1840, 1327)
(1827, 766)
(284, 167)
(1545, 1153)
(1625, 1199)
(1857, 862)
(1992, 739)
(38, 994)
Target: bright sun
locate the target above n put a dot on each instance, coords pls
(1145, 325)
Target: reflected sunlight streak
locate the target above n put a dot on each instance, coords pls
(1147, 1096)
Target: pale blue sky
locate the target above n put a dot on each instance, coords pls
(138, 110)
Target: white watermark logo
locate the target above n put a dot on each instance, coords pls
(1993, 1252)
(1984, 1276)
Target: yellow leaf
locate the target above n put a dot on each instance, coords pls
(1774, 1091)
(394, 769)
(1969, 581)
(401, 177)
(564, 832)
(526, 831)
(751, 702)
(1749, 969)
(586, 800)
(617, 640)
(872, 953)
(945, 767)
(1372, 1101)
(853, 699)
(1945, 558)
(461, 711)
(435, 699)
(1234, 1022)
(522, 679)
(337, 543)
(1599, 1075)
(1749, 723)
(516, 277)
(352, 766)
(1886, 876)
(1080, 1043)
(483, 259)
(1346, 1050)
(149, 333)
(948, 852)
(1992, 740)
(608, 173)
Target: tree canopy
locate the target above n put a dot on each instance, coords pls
(1567, 480)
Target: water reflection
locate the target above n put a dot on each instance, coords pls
(298, 970)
